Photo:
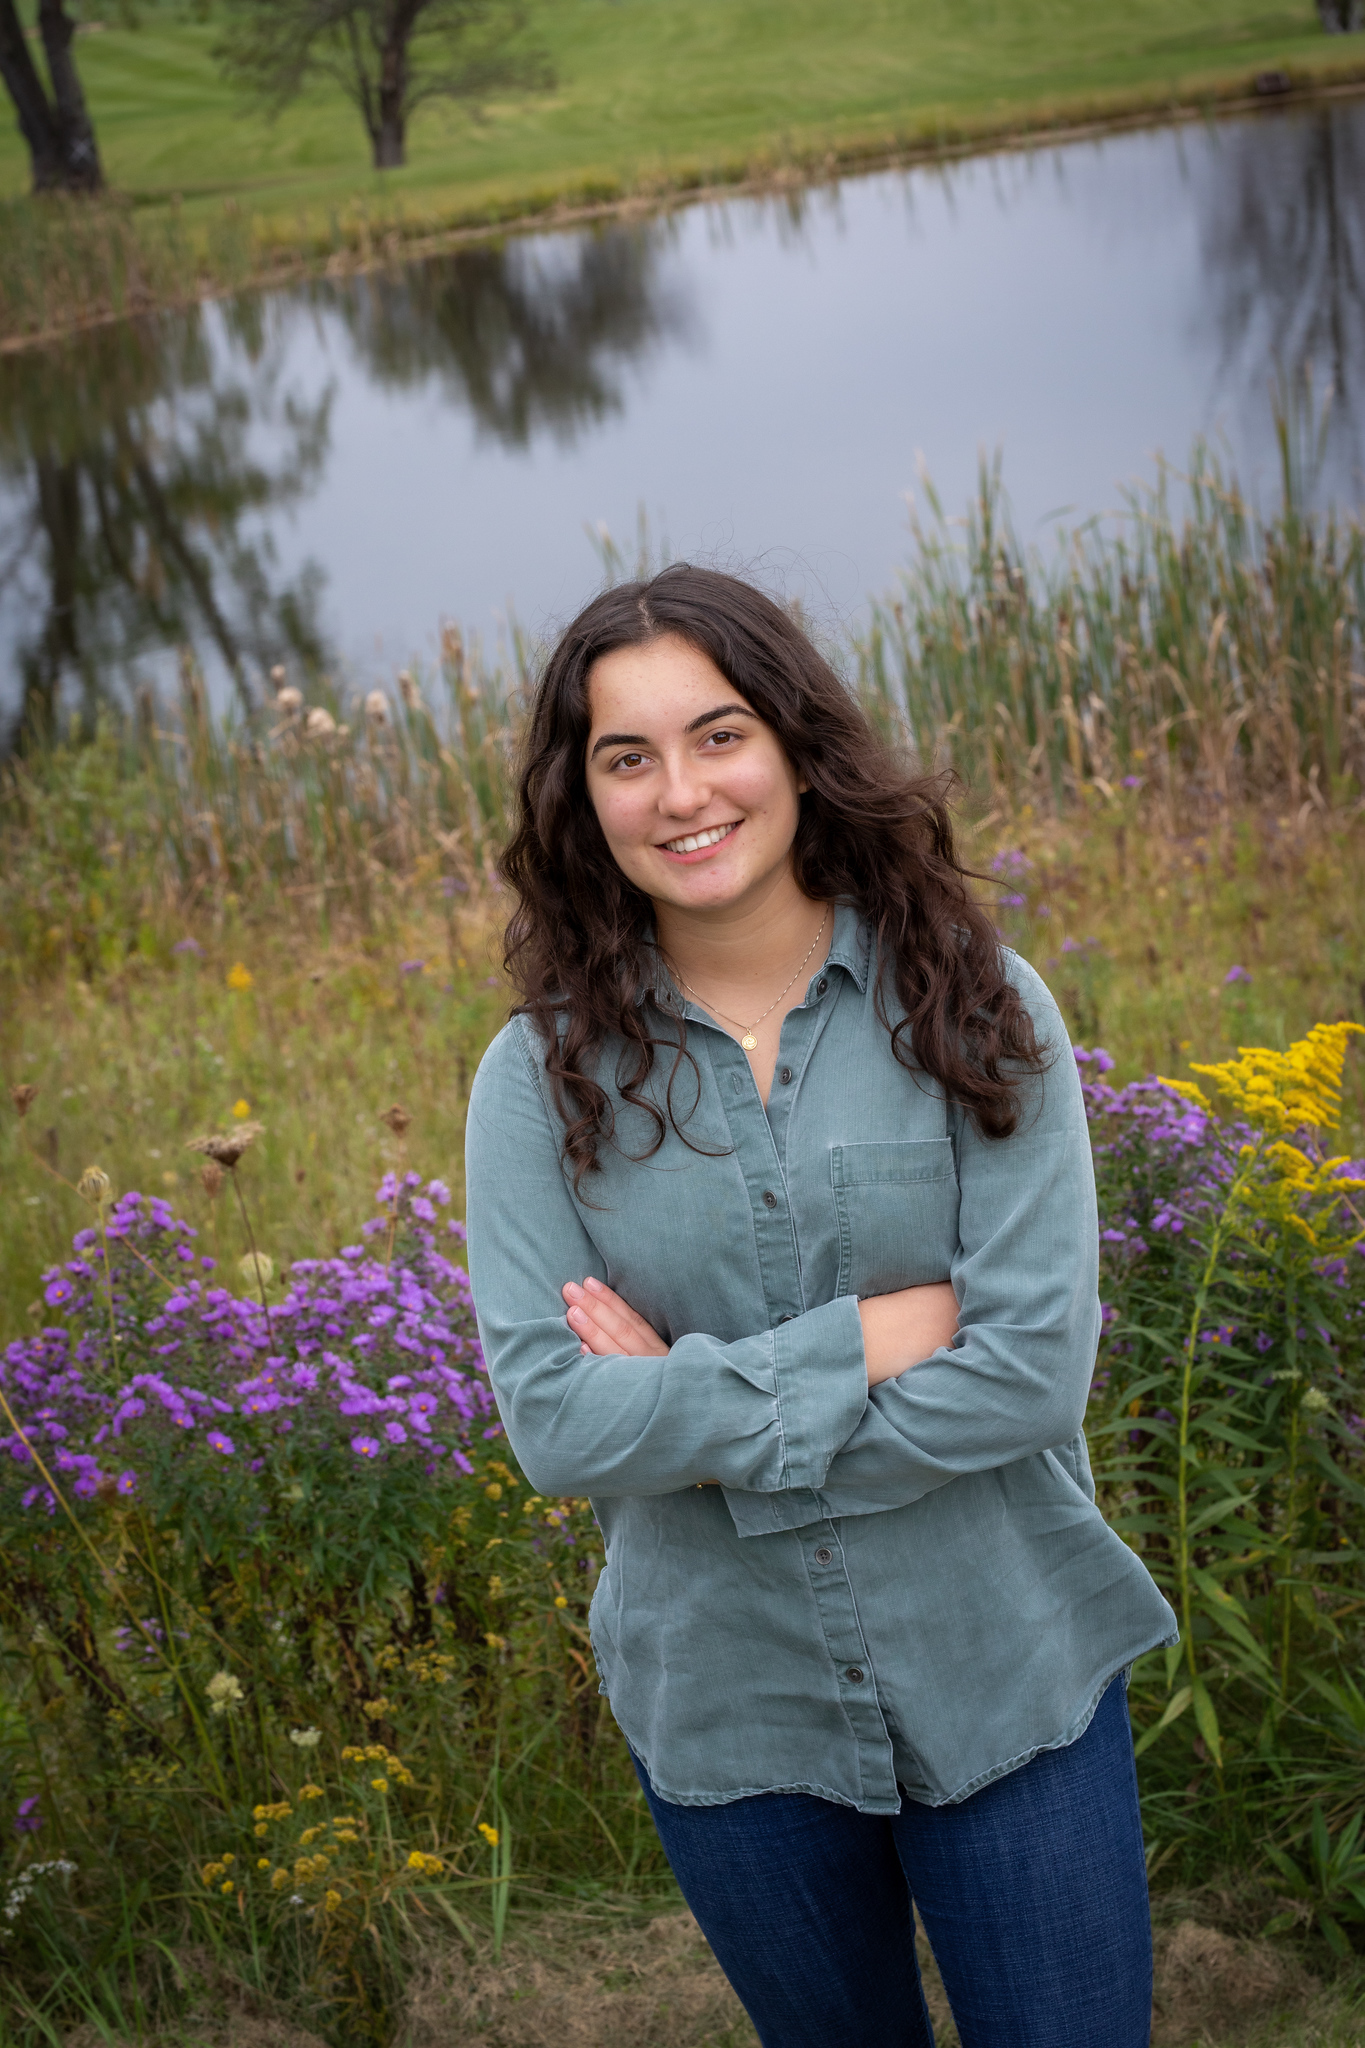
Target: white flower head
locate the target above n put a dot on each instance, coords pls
(305, 1738)
(224, 1692)
(377, 707)
(319, 724)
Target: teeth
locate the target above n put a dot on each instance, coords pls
(695, 840)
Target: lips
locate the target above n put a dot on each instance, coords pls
(700, 842)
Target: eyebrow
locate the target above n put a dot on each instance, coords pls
(637, 739)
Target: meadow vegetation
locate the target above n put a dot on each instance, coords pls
(294, 1672)
(648, 101)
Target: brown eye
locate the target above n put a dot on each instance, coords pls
(630, 760)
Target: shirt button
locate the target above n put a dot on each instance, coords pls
(820, 988)
(769, 1199)
(854, 1675)
(785, 1075)
(823, 1556)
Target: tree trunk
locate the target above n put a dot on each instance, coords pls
(80, 156)
(390, 139)
(60, 138)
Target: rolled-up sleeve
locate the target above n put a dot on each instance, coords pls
(1016, 1378)
(765, 1414)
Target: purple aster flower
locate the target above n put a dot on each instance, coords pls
(365, 1447)
(58, 1292)
(395, 1432)
(412, 967)
(1235, 974)
(218, 1442)
(29, 1818)
(127, 1482)
(187, 946)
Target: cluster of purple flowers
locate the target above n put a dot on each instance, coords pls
(375, 1351)
(1162, 1168)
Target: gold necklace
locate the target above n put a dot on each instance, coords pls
(749, 1042)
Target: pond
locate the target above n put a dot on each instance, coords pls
(325, 473)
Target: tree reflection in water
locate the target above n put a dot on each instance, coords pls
(1282, 226)
(132, 487)
(531, 337)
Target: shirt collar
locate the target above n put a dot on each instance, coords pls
(849, 948)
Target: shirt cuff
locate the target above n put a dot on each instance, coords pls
(821, 1379)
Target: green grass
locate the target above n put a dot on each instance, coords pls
(654, 94)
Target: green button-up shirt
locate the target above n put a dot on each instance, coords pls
(902, 1590)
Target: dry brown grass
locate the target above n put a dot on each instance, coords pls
(595, 1980)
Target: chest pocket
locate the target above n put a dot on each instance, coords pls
(896, 1207)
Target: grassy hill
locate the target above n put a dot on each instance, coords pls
(657, 93)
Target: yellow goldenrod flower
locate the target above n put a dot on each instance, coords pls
(309, 1836)
(560, 1601)
(261, 1828)
(279, 1880)
(311, 1792)
(332, 1901)
(347, 1835)
(494, 1491)
(490, 1835)
(241, 1107)
(1282, 1092)
(380, 1784)
(263, 1863)
(240, 978)
(228, 1860)
(227, 1887)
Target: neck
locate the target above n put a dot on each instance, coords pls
(741, 948)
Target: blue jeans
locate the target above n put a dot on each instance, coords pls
(1033, 1893)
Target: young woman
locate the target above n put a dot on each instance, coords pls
(783, 1240)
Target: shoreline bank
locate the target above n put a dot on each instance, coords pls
(127, 276)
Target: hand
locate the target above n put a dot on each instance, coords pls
(902, 1329)
(608, 1327)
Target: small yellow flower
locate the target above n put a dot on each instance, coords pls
(279, 1880)
(240, 978)
(228, 1860)
(494, 1491)
(380, 1784)
(261, 1828)
(227, 1887)
(347, 1835)
(241, 1107)
(263, 1863)
(560, 1601)
(310, 1792)
(490, 1835)
(332, 1901)
(309, 1836)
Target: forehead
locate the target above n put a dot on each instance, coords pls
(664, 683)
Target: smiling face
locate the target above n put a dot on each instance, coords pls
(694, 793)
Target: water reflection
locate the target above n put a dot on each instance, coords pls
(289, 477)
(1283, 235)
(133, 503)
(532, 337)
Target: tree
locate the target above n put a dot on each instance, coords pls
(388, 56)
(57, 128)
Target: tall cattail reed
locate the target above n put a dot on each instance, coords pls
(1210, 656)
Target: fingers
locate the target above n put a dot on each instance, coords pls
(606, 1326)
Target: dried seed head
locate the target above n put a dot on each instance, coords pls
(227, 1150)
(277, 676)
(257, 1267)
(23, 1095)
(211, 1177)
(319, 724)
(377, 707)
(408, 689)
(94, 1186)
(397, 1119)
(290, 701)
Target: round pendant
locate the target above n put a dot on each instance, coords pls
(749, 1042)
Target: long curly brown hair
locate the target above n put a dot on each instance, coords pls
(579, 944)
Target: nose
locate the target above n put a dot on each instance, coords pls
(685, 789)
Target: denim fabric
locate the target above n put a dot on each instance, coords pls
(1033, 1893)
(902, 1590)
